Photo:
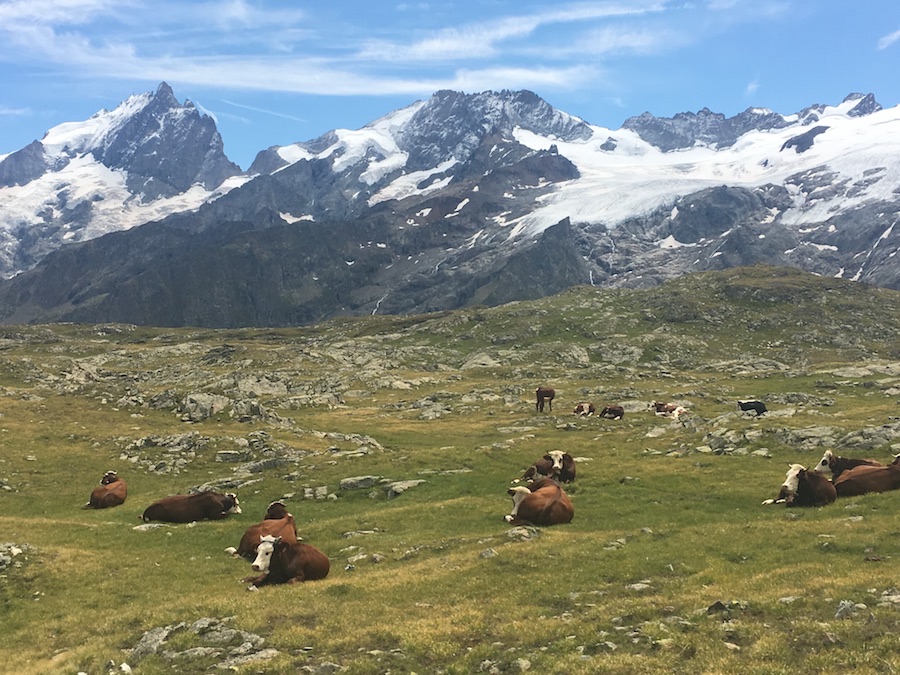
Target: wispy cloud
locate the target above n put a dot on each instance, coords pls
(274, 113)
(751, 88)
(889, 40)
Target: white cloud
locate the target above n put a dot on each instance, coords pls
(889, 40)
(751, 88)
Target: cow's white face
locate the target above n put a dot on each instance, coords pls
(824, 465)
(237, 505)
(557, 457)
(518, 494)
(792, 479)
(264, 553)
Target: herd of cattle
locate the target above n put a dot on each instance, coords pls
(278, 556)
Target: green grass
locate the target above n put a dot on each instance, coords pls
(686, 526)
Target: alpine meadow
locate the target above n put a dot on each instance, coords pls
(393, 440)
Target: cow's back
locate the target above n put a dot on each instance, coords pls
(297, 562)
(864, 479)
(187, 508)
(109, 495)
(548, 504)
(285, 528)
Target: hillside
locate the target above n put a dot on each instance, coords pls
(393, 440)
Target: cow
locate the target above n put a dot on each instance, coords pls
(541, 503)
(804, 488)
(287, 563)
(753, 405)
(277, 523)
(188, 508)
(863, 479)
(556, 464)
(584, 409)
(671, 410)
(834, 465)
(544, 395)
(612, 412)
(111, 492)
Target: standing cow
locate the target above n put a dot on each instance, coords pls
(284, 563)
(804, 488)
(544, 395)
(752, 405)
(541, 503)
(111, 492)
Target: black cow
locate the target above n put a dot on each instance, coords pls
(753, 405)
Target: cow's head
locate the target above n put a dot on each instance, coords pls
(264, 553)
(518, 493)
(109, 477)
(276, 511)
(231, 503)
(556, 456)
(791, 482)
(824, 465)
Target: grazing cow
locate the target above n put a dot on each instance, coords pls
(287, 563)
(111, 492)
(804, 488)
(188, 508)
(277, 523)
(613, 412)
(584, 409)
(541, 503)
(542, 395)
(863, 479)
(753, 405)
(556, 464)
(835, 465)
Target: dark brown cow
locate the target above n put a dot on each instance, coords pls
(542, 395)
(277, 523)
(284, 563)
(804, 488)
(833, 465)
(584, 409)
(613, 412)
(663, 408)
(542, 503)
(207, 505)
(556, 464)
(111, 492)
(863, 479)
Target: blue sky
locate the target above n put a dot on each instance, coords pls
(273, 72)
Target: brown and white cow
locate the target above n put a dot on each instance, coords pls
(276, 523)
(111, 492)
(804, 488)
(863, 479)
(833, 465)
(612, 412)
(542, 503)
(556, 464)
(544, 395)
(188, 508)
(663, 408)
(584, 409)
(287, 563)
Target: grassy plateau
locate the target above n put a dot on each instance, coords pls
(671, 563)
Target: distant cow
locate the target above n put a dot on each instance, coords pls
(188, 508)
(542, 395)
(804, 488)
(584, 409)
(863, 479)
(287, 563)
(833, 465)
(556, 464)
(541, 503)
(672, 410)
(753, 405)
(613, 412)
(276, 523)
(111, 492)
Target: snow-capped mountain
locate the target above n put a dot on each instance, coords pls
(147, 158)
(492, 197)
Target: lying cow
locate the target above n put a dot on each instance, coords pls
(111, 492)
(584, 409)
(752, 405)
(556, 464)
(544, 395)
(541, 503)
(671, 410)
(833, 465)
(804, 488)
(276, 523)
(613, 412)
(287, 563)
(188, 508)
(863, 479)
